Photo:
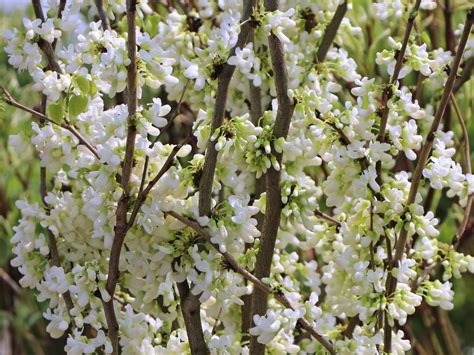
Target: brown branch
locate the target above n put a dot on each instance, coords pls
(102, 14)
(391, 282)
(121, 225)
(62, 5)
(207, 179)
(190, 308)
(166, 166)
(327, 217)
(42, 117)
(173, 115)
(236, 267)
(274, 205)
(465, 76)
(256, 111)
(331, 31)
(467, 151)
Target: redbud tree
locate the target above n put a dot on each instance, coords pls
(243, 176)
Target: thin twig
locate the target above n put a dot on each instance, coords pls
(466, 74)
(42, 117)
(388, 92)
(391, 282)
(62, 5)
(230, 260)
(467, 152)
(207, 180)
(327, 217)
(121, 224)
(331, 31)
(173, 115)
(166, 166)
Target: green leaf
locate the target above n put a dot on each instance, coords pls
(426, 38)
(152, 24)
(56, 111)
(77, 104)
(83, 84)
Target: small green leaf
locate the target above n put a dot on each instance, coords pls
(77, 105)
(83, 84)
(153, 22)
(426, 38)
(56, 111)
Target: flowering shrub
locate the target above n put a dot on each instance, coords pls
(220, 177)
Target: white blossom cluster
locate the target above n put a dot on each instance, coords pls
(332, 271)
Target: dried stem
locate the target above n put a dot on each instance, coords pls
(331, 31)
(230, 260)
(391, 283)
(207, 179)
(274, 205)
(42, 117)
(121, 225)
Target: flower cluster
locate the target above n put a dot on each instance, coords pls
(344, 188)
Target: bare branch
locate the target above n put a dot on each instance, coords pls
(391, 282)
(331, 31)
(230, 260)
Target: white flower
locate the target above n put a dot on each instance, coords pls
(266, 327)
(439, 294)
(159, 111)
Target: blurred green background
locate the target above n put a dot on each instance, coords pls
(22, 328)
